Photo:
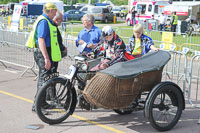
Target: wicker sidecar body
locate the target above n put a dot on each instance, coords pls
(117, 86)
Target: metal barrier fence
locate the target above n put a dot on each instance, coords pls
(176, 69)
(19, 38)
(193, 89)
(14, 51)
(194, 79)
(180, 40)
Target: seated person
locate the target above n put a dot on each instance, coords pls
(114, 49)
(140, 44)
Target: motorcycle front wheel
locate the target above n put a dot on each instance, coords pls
(53, 101)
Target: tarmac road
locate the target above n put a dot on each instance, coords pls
(17, 93)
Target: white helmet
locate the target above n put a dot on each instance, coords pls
(107, 30)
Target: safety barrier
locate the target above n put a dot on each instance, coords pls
(17, 55)
(18, 38)
(194, 79)
(14, 51)
(190, 49)
(176, 69)
(194, 38)
(177, 38)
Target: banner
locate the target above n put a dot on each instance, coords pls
(16, 18)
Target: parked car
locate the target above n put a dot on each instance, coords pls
(101, 13)
(116, 12)
(74, 14)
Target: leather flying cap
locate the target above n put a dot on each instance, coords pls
(50, 5)
(107, 31)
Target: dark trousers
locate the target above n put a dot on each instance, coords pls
(173, 28)
(39, 59)
(162, 27)
(133, 20)
(64, 27)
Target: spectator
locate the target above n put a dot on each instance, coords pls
(57, 22)
(198, 18)
(174, 22)
(64, 25)
(3, 12)
(162, 20)
(89, 36)
(133, 11)
(7, 11)
(140, 44)
(46, 51)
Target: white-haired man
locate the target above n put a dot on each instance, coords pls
(89, 36)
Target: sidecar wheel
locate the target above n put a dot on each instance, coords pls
(165, 107)
(123, 111)
(55, 108)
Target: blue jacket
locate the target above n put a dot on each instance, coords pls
(146, 42)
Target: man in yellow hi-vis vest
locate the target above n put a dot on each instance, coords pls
(3, 13)
(44, 40)
(174, 22)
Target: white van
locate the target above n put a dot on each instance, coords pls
(146, 10)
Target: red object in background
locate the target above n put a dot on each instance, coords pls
(150, 27)
(25, 3)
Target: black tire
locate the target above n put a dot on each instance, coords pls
(58, 108)
(123, 111)
(106, 20)
(165, 107)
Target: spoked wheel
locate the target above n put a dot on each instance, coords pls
(165, 107)
(53, 101)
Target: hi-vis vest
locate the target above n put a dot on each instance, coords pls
(175, 19)
(55, 48)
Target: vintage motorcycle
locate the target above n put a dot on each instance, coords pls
(163, 99)
(191, 28)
